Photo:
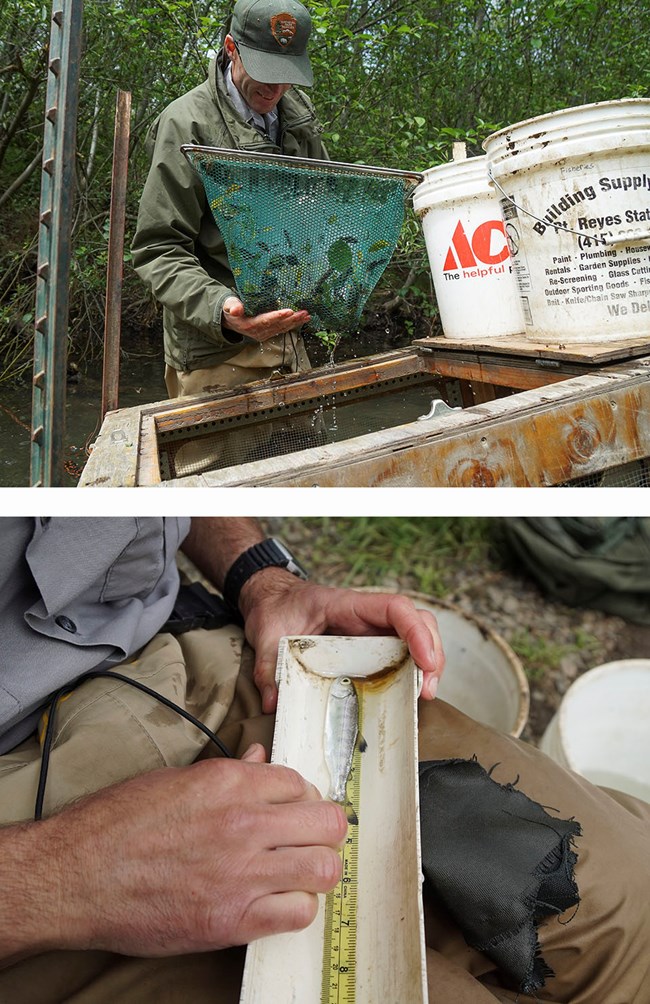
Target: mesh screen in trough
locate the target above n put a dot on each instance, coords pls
(307, 234)
(292, 426)
(635, 474)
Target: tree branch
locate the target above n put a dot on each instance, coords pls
(21, 179)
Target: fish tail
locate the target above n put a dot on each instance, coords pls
(348, 808)
(351, 815)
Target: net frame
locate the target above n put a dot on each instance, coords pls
(330, 274)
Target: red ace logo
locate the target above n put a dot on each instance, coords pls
(487, 246)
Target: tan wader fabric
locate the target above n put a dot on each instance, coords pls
(106, 731)
(285, 354)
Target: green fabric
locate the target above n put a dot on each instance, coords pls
(177, 250)
(590, 561)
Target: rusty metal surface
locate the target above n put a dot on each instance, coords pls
(115, 267)
(538, 438)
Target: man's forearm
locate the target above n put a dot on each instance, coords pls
(31, 892)
(214, 542)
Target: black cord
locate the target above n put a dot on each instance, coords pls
(62, 691)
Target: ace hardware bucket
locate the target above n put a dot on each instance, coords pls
(468, 252)
(575, 197)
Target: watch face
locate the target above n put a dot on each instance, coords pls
(292, 565)
(285, 552)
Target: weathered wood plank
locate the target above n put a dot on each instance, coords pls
(113, 461)
(501, 371)
(588, 353)
(148, 456)
(262, 396)
(537, 438)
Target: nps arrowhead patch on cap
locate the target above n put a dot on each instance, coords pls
(283, 28)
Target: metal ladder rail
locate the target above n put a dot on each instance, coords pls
(55, 225)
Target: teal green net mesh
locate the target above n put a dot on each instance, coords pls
(310, 235)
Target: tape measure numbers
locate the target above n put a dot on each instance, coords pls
(340, 940)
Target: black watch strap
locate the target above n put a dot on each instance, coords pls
(268, 553)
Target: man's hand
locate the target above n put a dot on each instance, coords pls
(263, 326)
(178, 860)
(276, 603)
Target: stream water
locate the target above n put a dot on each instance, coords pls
(141, 380)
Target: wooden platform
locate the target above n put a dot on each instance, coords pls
(525, 421)
(489, 368)
(584, 353)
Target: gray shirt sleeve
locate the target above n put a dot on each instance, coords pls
(78, 593)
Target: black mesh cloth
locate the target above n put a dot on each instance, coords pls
(498, 862)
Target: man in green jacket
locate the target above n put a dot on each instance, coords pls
(249, 102)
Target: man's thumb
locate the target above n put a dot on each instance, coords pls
(255, 753)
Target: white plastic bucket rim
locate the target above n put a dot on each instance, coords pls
(584, 130)
(602, 730)
(484, 677)
(449, 183)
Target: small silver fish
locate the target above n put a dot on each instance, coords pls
(341, 731)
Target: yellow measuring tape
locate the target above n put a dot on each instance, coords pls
(340, 941)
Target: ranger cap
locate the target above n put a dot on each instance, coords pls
(271, 37)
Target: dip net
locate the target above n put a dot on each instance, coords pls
(307, 234)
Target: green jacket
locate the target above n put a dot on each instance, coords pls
(177, 250)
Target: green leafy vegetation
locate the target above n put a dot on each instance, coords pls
(396, 83)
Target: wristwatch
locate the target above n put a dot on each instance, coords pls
(268, 553)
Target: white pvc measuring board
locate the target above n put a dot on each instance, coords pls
(390, 951)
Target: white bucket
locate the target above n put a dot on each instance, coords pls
(483, 677)
(601, 729)
(575, 187)
(468, 252)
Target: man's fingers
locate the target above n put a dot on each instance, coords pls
(259, 782)
(278, 913)
(262, 326)
(293, 869)
(233, 307)
(264, 676)
(305, 824)
(279, 785)
(308, 869)
(378, 612)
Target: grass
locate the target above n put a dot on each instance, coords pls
(538, 655)
(406, 552)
